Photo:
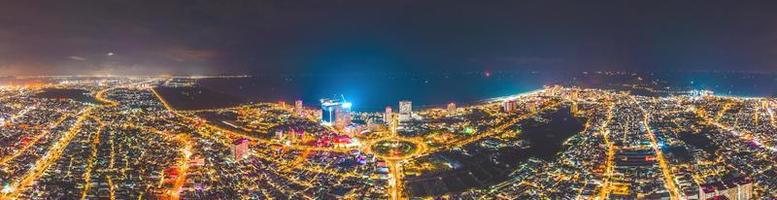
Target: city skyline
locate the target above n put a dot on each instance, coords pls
(388, 100)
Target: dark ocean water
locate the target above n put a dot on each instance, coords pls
(733, 84)
(374, 92)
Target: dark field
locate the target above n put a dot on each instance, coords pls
(485, 167)
(74, 94)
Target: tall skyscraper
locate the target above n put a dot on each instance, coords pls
(343, 118)
(335, 113)
(508, 106)
(451, 108)
(240, 148)
(405, 106)
(405, 111)
(298, 107)
(329, 111)
(387, 115)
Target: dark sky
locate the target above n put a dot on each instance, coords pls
(327, 36)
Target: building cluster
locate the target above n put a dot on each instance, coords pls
(554, 143)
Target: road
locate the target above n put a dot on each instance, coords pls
(50, 157)
(665, 169)
(609, 165)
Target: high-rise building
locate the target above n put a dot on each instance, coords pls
(451, 108)
(387, 115)
(328, 111)
(298, 107)
(405, 111)
(240, 148)
(343, 118)
(405, 106)
(335, 113)
(508, 106)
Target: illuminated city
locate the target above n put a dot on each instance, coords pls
(128, 141)
(388, 100)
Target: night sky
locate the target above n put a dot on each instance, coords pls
(331, 36)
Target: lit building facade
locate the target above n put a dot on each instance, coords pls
(405, 111)
(387, 115)
(335, 113)
(240, 149)
(509, 106)
(298, 108)
(328, 111)
(343, 116)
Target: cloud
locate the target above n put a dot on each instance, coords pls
(78, 58)
(279, 37)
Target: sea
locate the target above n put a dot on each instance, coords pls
(373, 92)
